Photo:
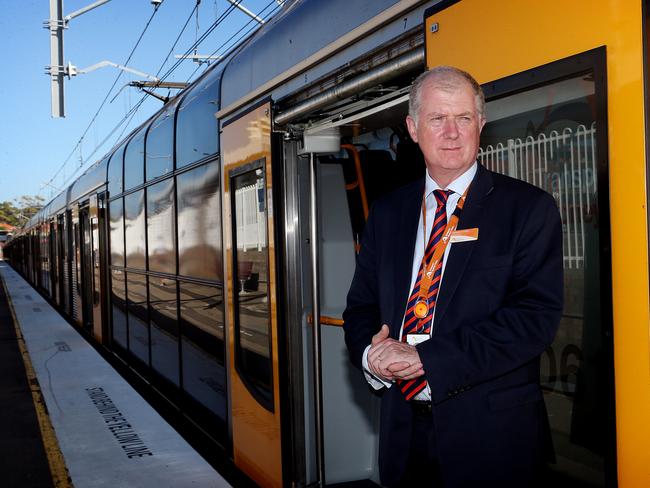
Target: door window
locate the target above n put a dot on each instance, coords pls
(250, 271)
(548, 136)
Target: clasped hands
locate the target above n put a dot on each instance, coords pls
(393, 360)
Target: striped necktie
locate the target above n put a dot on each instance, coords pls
(413, 325)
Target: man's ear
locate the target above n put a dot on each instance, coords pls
(483, 121)
(412, 128)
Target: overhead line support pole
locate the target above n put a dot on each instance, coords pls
(56, 25)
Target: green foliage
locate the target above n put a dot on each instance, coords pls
(19, 211)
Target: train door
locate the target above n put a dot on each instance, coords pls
(347, 160)
(100, 267)
(43, 241)
(36, 257)
(61, 255)
(86, 264)
(249, 239)
(76, 299)
(346, 421)
(30, 256)
(54, 275)
(348, 155)
(565, 103)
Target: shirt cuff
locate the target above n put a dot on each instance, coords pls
(374, 381)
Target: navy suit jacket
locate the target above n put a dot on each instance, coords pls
(498, 309)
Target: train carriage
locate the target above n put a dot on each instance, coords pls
(212, 248)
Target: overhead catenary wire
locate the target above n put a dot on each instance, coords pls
(232, 41)
(134, 109)
(131, 114)
(128, 117)
(198, 42)
(101, 106)
(171, 50)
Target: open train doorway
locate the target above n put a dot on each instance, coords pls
(546, 126)
(354, 154)
(545, 133)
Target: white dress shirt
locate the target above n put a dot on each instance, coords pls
(458, 186)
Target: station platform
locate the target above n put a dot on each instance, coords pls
(67, 418)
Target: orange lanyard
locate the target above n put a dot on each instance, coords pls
(422, 305)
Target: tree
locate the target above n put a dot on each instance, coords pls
(28, 205)
(8, 213)
(21, 211)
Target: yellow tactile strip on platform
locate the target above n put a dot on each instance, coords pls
(56, 461)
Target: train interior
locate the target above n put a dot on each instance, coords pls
(376, 158)
(546, 136)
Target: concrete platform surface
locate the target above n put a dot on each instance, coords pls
(108, 434)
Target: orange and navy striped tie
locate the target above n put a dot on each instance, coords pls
(413, 325)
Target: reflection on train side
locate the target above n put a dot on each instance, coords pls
(203, 360)
(252, 312)
(547, 136)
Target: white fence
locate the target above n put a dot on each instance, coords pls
(250, 218)
(563, 164)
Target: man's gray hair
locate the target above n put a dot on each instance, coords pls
(445, 78)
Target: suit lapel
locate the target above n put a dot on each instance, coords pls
(460, 253)
(406, 233)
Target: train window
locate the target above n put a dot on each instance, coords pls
(548, 137)
(160, 145)
(116, 172)
(136, 285)
(116, 212)
(134, 161)
(118, 301)
(250, 280)
(134, 229)
(199, 223)
(163, 315)
(203, 348)
(160, 227)
(197, 126)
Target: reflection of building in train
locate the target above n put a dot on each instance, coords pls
(251, 219)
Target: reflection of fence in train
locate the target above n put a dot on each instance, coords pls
(251, 225)
(563, 164)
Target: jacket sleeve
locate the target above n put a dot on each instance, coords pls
(521, 328)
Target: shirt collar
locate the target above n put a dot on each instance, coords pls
(459, 185)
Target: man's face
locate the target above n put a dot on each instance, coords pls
(448, 130)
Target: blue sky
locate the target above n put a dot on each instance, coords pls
(33, 145)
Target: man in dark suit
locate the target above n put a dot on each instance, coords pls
(450, 328)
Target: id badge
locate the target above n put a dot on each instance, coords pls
(415, 339)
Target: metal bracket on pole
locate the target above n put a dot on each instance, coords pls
(57, 69)
(82, 11)
(237, 3)
(159, 84)
(143, 85)
(198, 58)
(74, 71)
(56, 24)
